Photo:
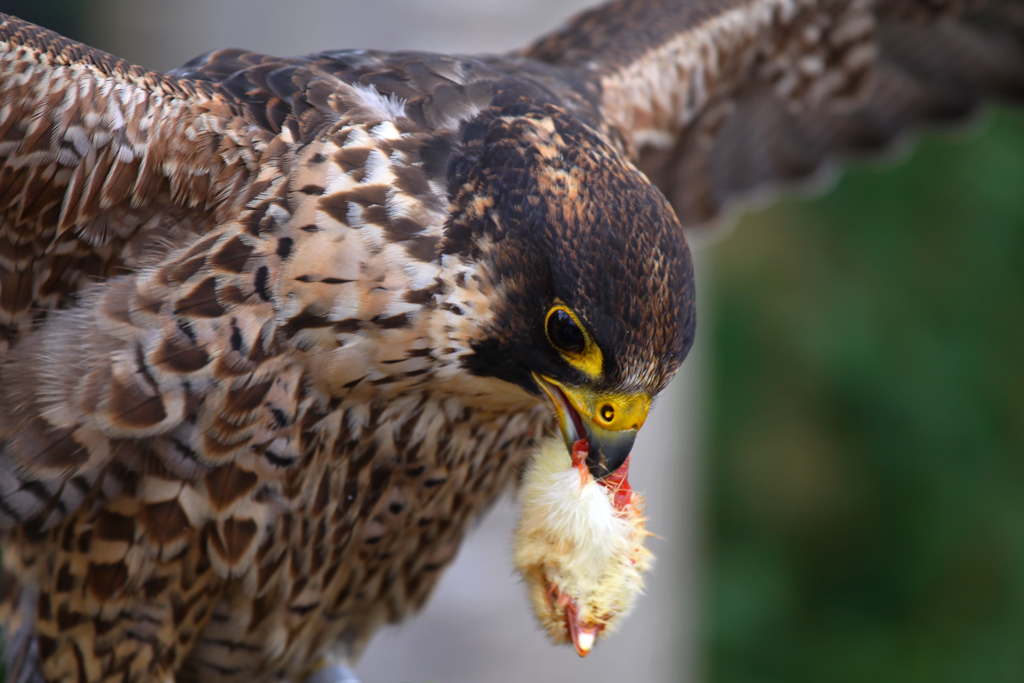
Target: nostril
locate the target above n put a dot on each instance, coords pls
(607, 413)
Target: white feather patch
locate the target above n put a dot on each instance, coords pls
(387, 107)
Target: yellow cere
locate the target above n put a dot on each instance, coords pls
(612, 411)
(619, 412)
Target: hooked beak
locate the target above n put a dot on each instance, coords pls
(609, 422)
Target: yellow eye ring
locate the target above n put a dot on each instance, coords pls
(570, 337)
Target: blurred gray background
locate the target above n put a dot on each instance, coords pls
(478, 627)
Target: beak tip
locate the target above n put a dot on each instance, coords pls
(608, 450)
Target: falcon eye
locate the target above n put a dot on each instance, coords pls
(564, 332)
(567, 334)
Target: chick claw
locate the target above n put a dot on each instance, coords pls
(583, 636)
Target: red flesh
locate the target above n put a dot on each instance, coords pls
(618, 483)
(580, 451)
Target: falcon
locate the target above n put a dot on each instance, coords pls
(275, 331)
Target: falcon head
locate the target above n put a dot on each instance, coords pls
(590, 280)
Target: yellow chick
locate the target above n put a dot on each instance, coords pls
(579, 544)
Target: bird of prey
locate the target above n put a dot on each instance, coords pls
(275, 331)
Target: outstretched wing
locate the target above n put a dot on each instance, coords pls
(102, 165)
(716, 99)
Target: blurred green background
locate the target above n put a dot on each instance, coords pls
(865, 509)
(865, 479)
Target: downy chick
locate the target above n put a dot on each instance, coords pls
(579, 544)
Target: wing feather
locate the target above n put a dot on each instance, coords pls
(96, 152)
(717, 99)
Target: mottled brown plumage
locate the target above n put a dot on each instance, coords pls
(273, 329)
